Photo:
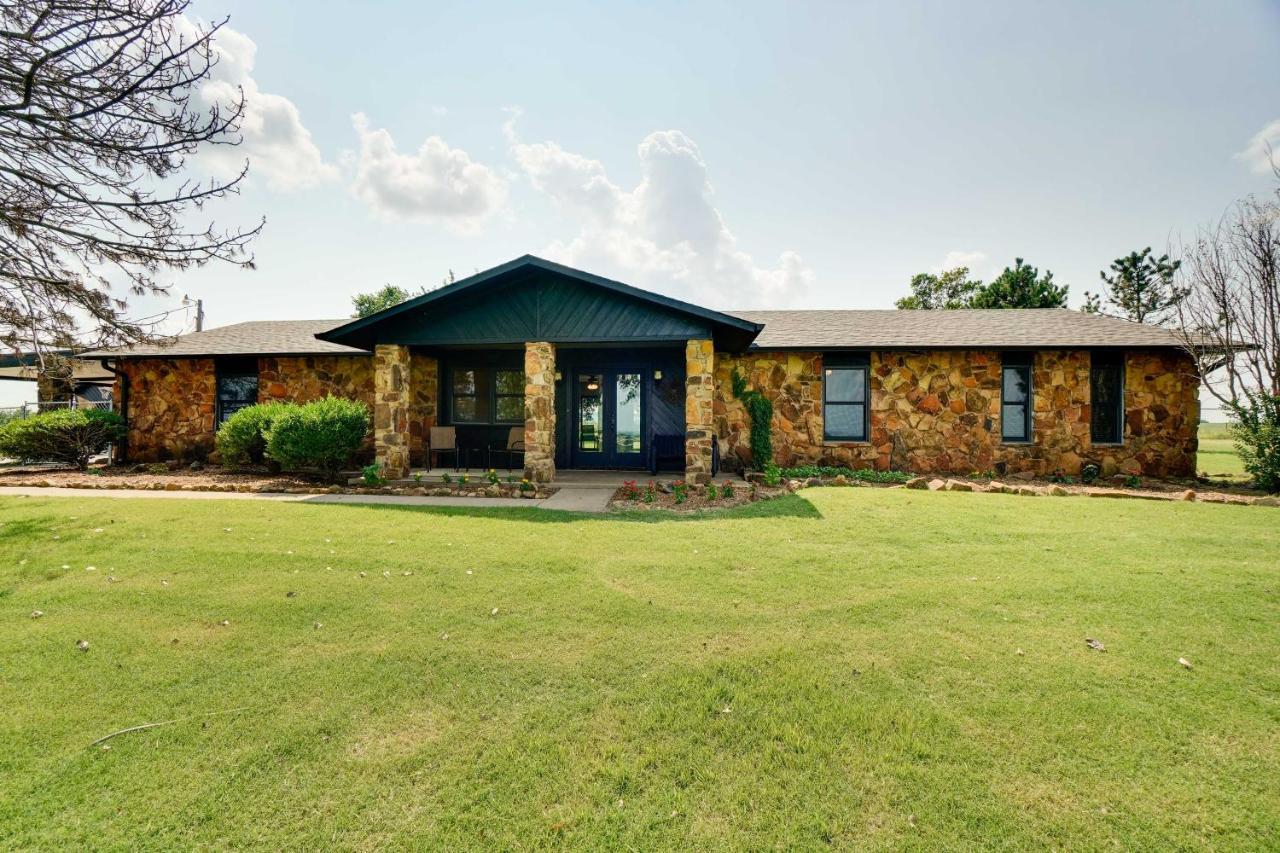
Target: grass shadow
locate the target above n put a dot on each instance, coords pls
(788, 506)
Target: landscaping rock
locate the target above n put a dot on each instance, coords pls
(917, 483)
(813, 481)
(1096, 645)
(959, 486)
(1184, 663)
(996, 487)
(1026, 490)
(1270, 501)
(1023, 475)
(1188, 495)
(1058, 491)
(196, 466)
(936, 485)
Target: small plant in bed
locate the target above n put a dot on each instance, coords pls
(630, 491)
(727, 490)
(864, 475)
(372, 475)
(680, 489)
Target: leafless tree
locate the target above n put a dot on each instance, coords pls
(1230, 317)
(99, 111)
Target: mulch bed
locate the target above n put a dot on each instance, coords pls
(158, 477)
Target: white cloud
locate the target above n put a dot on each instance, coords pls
(1262, 148)
(666, 234)
(961, 258)
(436, 183)
(277, 145)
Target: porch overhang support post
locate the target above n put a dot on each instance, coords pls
(391, 409)
(540, 411)
(699, 399)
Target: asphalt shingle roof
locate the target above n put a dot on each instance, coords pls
(258, 337)
(835, 329)
(994, 328)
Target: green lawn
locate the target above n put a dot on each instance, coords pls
(839, 669)
(1217, 454)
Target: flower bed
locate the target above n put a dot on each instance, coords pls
(164, 477)
(686, 497)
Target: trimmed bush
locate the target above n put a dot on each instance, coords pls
(323, 435)
(72, 436)
(242, 438)
(865, 475)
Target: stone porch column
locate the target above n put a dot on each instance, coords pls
(424, 370)
(391, 409)
(699, 397)
(540, 411)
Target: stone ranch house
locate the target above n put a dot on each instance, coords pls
(599, 374)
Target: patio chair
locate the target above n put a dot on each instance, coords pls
(442, 440)
(514, 445)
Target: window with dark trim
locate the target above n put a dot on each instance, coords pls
(845, 396)
(237, 386)
(1106, 397)
(1015, 397)
(486, 395)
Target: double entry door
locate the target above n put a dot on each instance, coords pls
(609, 408)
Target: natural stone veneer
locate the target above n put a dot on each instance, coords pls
(301, 379)
(939, 412)
(391, 408)
(540, 411)
(699, 409)
(170, 408)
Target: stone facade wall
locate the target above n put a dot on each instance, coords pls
(170, 408)
(939, 412)
(424, 392)
(540, 411)
(1162, 415)
(699, 409)
(391, 379)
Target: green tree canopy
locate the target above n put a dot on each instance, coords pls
(1021, 286)
(1140, 287)
(379, 300)
(948, 289)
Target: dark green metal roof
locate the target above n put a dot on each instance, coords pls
(531, 299)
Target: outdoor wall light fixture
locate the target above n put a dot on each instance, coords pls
(559, 376)
(657, 374)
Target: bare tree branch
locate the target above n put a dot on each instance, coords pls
(97, 120)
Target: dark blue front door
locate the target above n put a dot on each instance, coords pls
(610, 409)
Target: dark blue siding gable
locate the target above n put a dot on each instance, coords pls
(540, 307)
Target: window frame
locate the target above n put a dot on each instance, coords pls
(1021, 361)
(1116, 360)
(497, 396)
(234, 368)
(486, 390)
(851, 361)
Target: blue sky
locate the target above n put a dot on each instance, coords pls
(733, 154)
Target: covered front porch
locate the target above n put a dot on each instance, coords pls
(548, 368)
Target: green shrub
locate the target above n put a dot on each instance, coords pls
(69, 435)
(242, 438)
(1256, 431)
(323, 434)
(372, 474)
(760, 410)
(865, 475)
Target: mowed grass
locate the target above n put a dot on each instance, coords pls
(1217, 454)
(841, 669)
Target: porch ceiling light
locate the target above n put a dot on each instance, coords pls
(657, 374)
(593, 385)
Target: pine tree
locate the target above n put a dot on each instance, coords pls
(1141, 287)
(1021, 286)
